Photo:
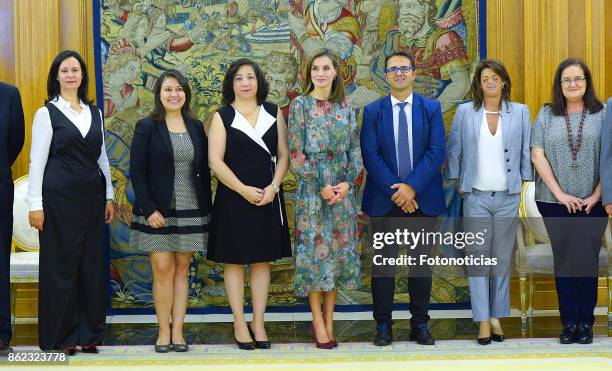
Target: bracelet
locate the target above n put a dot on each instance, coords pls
(109, 201)
(276, 188)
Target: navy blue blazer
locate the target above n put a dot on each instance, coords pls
(11, 128)
(152, 167)
(379, 156)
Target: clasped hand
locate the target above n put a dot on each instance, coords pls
(404, 197)
(574, 204)
(258, 196)
(334, 194)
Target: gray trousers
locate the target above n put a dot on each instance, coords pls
(494, 214)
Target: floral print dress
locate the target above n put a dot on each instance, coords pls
(324, 150)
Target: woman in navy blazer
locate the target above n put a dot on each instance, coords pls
(152, 167)
(170, 217)
(488, 154)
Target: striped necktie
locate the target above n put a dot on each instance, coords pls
(404, 165)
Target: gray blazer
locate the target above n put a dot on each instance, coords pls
(605, 162)
(462, 147)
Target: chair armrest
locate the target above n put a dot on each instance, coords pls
(607, 240)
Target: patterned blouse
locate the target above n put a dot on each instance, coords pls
(549, 133)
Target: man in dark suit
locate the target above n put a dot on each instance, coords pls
(11, 142)
(403, 147)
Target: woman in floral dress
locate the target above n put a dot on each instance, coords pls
(326, 159)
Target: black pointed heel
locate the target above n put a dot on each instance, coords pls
(265, 344)
(249, 345)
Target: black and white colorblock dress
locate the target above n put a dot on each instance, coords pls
(242, 233)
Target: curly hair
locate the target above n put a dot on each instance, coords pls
(281, 62)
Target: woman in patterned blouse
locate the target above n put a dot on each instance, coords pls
(565, 144)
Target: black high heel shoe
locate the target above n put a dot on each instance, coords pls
(165, 348)
(92, 349)
(249, 345)
(264, 344)
(70, 350)
(180, 348)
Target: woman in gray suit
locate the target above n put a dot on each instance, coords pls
(488, 154)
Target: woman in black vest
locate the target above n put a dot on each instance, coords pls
(171, 181)
(71, 197)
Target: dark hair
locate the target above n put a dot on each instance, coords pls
(159, 112)
(476, 88)
(337, 93)
(400, 54)
(590, 100)
(53, 85)
(228, 81)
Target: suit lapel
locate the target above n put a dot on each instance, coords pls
(417, 127)
(240, 123)
(387, 122)
(506, 119)
(165, 136)
(477, 121)
(193, 133)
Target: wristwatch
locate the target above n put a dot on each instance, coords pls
(276, 188)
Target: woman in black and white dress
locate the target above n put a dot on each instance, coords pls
(171, 181)
(69, 181)
(249, 154)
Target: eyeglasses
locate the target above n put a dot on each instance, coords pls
(576, 80)
(402, 69)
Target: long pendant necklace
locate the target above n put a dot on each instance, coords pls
(570, 140)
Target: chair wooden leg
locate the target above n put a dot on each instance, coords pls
(609, 303)
(523, 297)
(531, 292)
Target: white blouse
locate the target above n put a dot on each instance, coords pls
(491, 167)
(42, 133)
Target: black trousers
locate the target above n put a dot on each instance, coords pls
(576, 242)
(419, 280)
(72, 295)
(6, 232)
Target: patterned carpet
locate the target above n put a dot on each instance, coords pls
(514, 354)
